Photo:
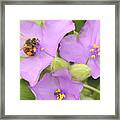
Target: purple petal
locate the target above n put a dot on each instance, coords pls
(44, 89)
(62, 73)
(90, 33)
(22, 54)
(72, 50)
(53, 32)
(29, 29)
(49, 36)
(71, 87)
(71, 97)
(61, 79)
(31, 67)
(95, 67)
(77, 49)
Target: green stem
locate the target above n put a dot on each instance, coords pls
(91, 88)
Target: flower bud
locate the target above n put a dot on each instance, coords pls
(58, 63)
(80, 72)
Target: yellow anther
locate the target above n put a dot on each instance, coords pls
(91, 50)
(58, 90)
(60, 97)
(93, 56)
(59, 94)
(42, 48)
(34, 49)
(95, 46)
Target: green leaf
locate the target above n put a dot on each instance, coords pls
(93, 82)
(25, 92)
(46, 70)
(96, 96)
(78, 25)
(83, 97)
(87, 93)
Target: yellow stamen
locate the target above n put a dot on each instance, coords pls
(59, 94)
(95, 46)
(42, 48)
(93, 56)
(58, 90)
(60, 97)
(34, 49)
(91, 50)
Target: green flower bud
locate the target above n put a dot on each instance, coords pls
(80, 72)
(58, 63)
(40, 22)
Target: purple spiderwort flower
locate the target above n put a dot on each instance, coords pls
(57, 86)
(45, 42)
(84, 49)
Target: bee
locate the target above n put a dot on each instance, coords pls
(30, 46)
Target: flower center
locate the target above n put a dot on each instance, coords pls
(60, 95)
(30, 46)
(94, 51)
